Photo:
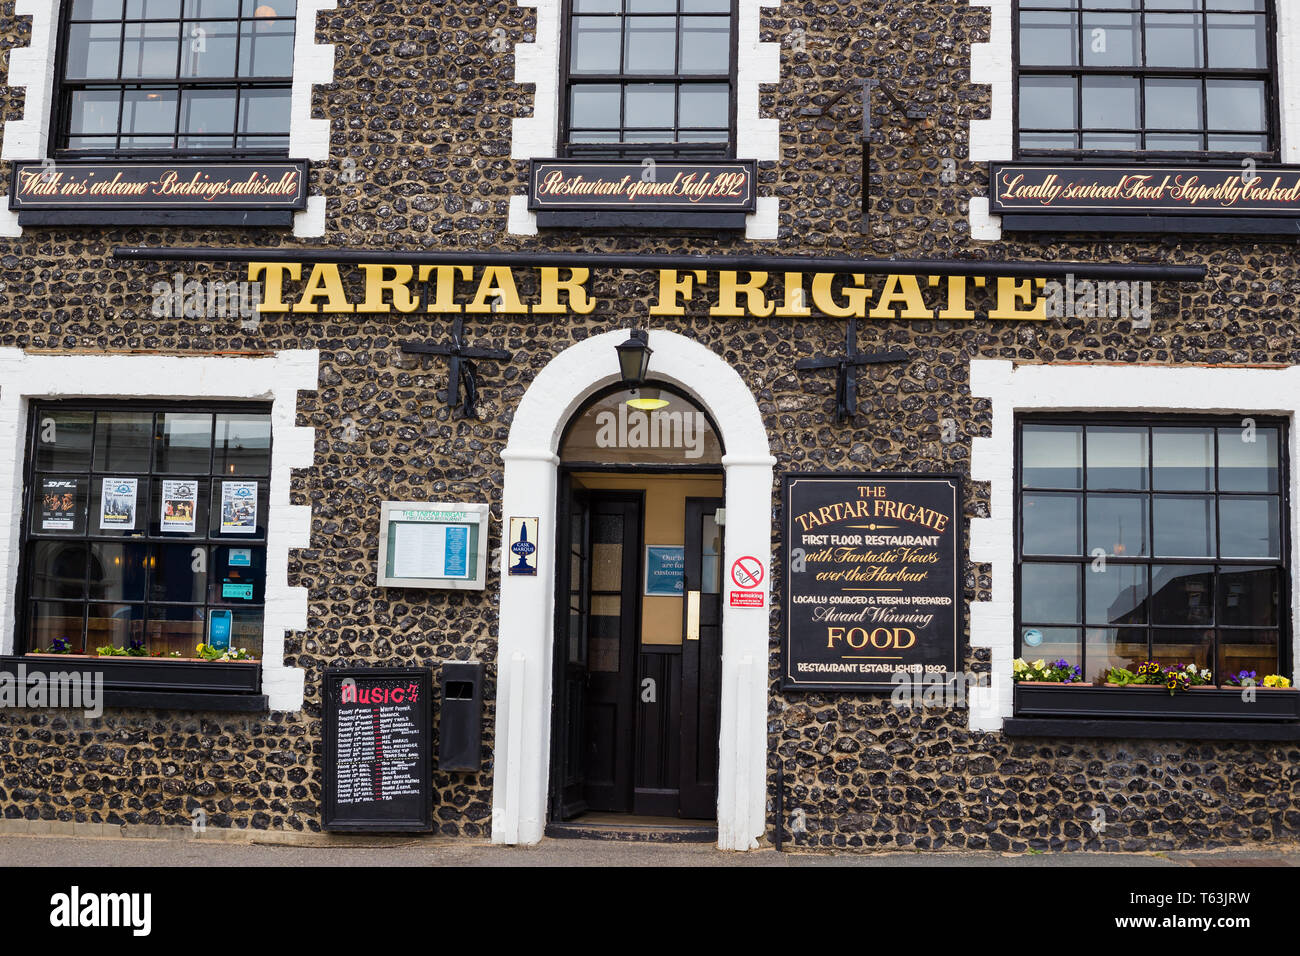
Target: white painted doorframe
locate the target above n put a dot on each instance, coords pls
(522, 752)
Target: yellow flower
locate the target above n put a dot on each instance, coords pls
(1038, 665)
(1276, 680)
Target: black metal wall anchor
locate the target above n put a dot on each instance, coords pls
(911, 115)
(846, 389)
(461, 375)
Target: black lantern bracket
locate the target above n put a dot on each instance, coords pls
(846, 366)
(462, 376)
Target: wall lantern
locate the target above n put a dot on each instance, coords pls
(634, 357)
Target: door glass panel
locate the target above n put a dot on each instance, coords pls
(604, 632)
(710, 555)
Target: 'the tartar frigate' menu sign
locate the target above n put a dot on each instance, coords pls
(378, 731)
(134, 184)
(679, 185)
(1189, 190)
(872, 565)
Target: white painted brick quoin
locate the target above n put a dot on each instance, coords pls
(277, 379)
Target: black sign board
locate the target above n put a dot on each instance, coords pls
(150, 184)
(678, 185)
(1183, 190)
(378, 732)
(872, 579)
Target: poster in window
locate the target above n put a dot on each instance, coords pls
(60, 502)
(239, 507)
(117, 504)
(179, 503)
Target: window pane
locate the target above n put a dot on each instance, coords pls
(1055, 643)
(1111, 39)
(650, 45)
(1248, 459)
(58, 569)
(1047, 102)
(1053, 524)
(243, 445)
(1183, 647)
(594, 44)
(1248, 597)
(1117, 458)
(597, 6)
(1169, 142)
(1250, 527)
(93, 51)
(1048, 141)
(1236, 105)
(175, 579)
(53, 620)
(1173, 104)
(246, 631)
(152, 9)
(150, 49)
(1184, 526)
(1174, 40)
(208, 111)
(63, 440)
(1182, 594)
(210, 9)
(1183, 459)
(174, 628)
(97, 9)
(1248, 651)
(1050, 594)
(1115, 647)
(704, 105)
(1238, 144)
(208, 48)
(1117, 595)
(149, 112)
(706, 45)
(114, 625)
(595, 106)
(94, 111)
(266, 49)
(651, 104)
(239, 575)
(651, 6)
(1110, 102)
(184, 443)
(264, 111)
(1112, 141)
(118, 571)
(122, 441)
(1052, 456)
(1117, 524)
(1049, 39)
(1255, 5)
(706, 6)
(1237, 42)
(270, 8)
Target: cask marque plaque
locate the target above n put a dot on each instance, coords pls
(872, 565)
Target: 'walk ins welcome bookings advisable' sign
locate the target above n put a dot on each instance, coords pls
(872, 566)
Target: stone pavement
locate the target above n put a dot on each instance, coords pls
(37, 850)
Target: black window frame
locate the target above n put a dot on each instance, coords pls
(1285, 662)
(622, 150)
(1080, 154)
(206, 537)
(63, 90)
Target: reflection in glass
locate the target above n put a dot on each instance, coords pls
(122, 441)
(54, 620)
(1122, 46)
(1052, 456)
(1046, 102)
(1247, 650)
(118, 571)
(1250, 527)
(1183, 646)
(172, 628)
(650, 45)
(1058, 643)
(1248, 459)
(1182, 594)
(1117, 524)
(1117, 458)
(1048, 38)
(1114, 647)
(58, 569)
(604, 633)
(115, 625)
(184, 442)
(175, 578)
(63, 440)
(1117, 595)
(243, 445)
(1053, 523)
(1248, 597)
(1184, 526)
(1183, 459)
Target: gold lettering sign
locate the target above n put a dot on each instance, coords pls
(377, 288)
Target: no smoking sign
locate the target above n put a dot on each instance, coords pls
(747, 572)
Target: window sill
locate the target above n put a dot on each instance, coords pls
(1088, 704)
(711, 221)
(149, 676)
(1149, 729)
(1152, 225)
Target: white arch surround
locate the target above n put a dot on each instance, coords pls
(525, 650)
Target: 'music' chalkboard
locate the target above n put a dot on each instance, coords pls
(378, 732)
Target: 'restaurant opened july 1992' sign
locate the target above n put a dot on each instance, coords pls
(578, 184)
(871, 584)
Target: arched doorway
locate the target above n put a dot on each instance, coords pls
(526, 659)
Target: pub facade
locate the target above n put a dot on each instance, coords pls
(852, 428)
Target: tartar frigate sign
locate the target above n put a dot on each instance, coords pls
(1188, 190)
(872, 565)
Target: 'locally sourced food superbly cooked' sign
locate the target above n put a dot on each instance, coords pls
(871, 579)
(1188, 190)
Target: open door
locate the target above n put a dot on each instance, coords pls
(573, 560)
(701, 660)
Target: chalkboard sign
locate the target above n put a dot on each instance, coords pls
(378, 741)
(872, 564)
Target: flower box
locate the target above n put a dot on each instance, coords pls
(147, 673)
(1155, 703)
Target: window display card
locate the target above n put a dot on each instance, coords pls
(239, 507)
(59, 503)
(179, 503)
(117, 504)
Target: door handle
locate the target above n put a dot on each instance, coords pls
(692, 615)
